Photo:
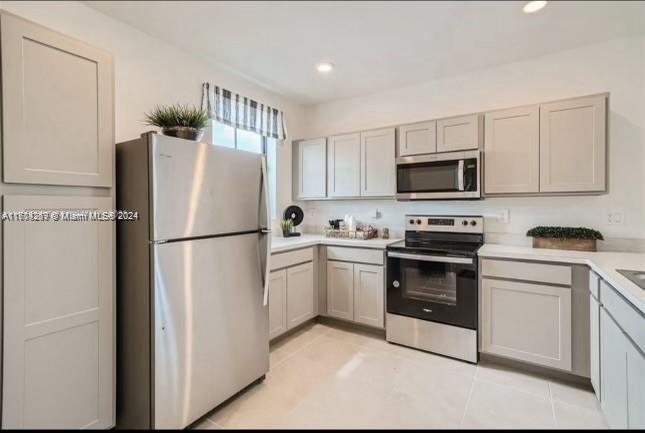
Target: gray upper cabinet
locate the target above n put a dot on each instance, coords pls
(377, 163)
(343, 166)
(57, 108)
(310, 164)
(458, 133)
(512, 151)
(59, 311)
(573, 145)
(418, 138)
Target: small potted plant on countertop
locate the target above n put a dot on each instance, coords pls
(178, 120)
(565, 238)
(287, 228)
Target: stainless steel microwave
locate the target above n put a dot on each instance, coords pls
(441, 176)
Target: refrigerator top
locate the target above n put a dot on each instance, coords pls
(199, 190)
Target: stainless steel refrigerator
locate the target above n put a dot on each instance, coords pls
(193, 325)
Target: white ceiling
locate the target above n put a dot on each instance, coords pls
(374, 45)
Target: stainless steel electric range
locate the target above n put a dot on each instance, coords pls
(432, 285)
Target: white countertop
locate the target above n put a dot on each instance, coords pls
(603, 263)
(279, 245)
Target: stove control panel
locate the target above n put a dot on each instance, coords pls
(454, 224)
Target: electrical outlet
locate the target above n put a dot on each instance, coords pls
(614, 218)
(504, 216)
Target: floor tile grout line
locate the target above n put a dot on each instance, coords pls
(470, 395)
(555, 420)
(301, 348)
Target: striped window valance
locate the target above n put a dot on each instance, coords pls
(241, 112)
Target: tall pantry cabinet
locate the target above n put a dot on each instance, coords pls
(58, 297)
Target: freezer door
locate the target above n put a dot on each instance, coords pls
(199, 189)
(211, 329)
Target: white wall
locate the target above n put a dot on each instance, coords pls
(617, 67)
(149, 71)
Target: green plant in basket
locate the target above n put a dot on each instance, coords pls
(178, 120)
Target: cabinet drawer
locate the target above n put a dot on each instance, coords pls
(540, 272)
(290, 258)
(358, 255)
(630, 320)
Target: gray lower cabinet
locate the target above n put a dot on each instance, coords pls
(622, 361)
(613, 346)
(292, 293)
(340, 290)
(57, 107)
(635, 388)
(277, 303)
(59, 311)
(527, 321)
(368, 295)
(356, 291)
(594, 344)
(300, 294)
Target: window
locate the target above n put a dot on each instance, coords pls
(228, 136)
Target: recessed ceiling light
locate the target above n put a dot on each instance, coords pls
(534, 6)
(324, 67)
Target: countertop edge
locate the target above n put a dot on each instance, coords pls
(608, 272)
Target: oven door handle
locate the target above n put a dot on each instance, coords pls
(425, 258)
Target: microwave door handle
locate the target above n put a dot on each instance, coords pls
(460, 175)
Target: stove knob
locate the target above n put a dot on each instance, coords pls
(418, 221)
(411, 221)
(473, 223)
(464, 222)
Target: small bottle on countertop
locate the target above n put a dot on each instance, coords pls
(385, 233)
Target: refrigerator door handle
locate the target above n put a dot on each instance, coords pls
(265, 231)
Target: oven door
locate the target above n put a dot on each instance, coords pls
(440, 176)
(433, 287)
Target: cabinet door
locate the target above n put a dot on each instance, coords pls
(59, 342)
(340, 290)
(458, 133)
(573, 145)
(528, 322)
(300, 294)
(418, 138)
(635, 388)
(277, 303)
(594, 344)
(613, 372)
(311, 167)
(344, 166)
(378, 163)
(57, 107)
(368, 295)
(512, 151)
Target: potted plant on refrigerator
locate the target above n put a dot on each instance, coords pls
(178, 120)
(565, 238)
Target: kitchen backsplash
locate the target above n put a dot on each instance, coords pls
(506, 219)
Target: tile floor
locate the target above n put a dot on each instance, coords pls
(328, 377)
